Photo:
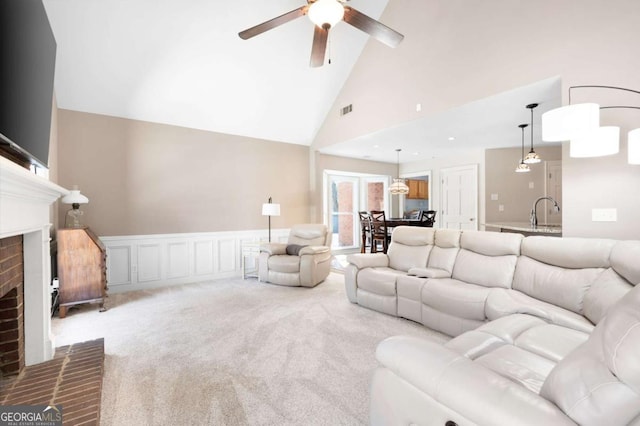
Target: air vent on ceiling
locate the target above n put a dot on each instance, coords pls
(346, 110)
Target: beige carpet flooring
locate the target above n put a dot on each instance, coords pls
(234, 352)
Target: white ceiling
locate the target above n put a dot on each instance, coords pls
(182, 63)
(487, 123)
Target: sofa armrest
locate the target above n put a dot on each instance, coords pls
(273, 248)
(368, 260)
(465, 386)
(313, 250)
(429, 273)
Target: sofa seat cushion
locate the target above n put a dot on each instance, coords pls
(456, 298)
(522, 348)
(502, 302)
(284, 263)
(527, 332)
(380, 281)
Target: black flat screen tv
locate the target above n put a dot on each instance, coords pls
(27, 68)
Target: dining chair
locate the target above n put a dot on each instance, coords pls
(379, 231)
(365, 230)
(413, 214)
(428, 218)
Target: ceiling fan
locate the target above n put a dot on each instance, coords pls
(325, 14)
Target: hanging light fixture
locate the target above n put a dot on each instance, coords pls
(580, 124)
(398, 187)
(522, 167)
(532, 157)
(633, 146)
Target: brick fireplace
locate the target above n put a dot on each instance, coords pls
(25, 205)
(11, 306)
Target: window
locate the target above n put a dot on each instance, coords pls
(345, 195)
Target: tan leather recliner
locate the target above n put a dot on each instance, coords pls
(305, 260)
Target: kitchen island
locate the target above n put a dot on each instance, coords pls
(525, 228)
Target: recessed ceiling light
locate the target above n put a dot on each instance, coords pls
(376, 146)
(452, 138)
(416, 153)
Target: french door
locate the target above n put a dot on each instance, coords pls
(345, 195)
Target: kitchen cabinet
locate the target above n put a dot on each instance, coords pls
(418, 189)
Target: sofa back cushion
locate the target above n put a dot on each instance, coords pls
(487, 258)
(599, 383)
(553, 284)
(410, 247)
(569, 252)
(604, 292)
(310, 234)
(624, 260)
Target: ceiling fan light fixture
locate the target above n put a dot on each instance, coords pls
(326, 12)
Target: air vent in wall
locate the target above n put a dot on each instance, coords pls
(346, 110)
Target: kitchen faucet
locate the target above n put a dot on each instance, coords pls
(533, 217)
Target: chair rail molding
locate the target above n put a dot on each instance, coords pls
(137, 262)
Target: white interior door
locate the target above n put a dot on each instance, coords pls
(459, 205)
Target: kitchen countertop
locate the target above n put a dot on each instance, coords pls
(526, 227)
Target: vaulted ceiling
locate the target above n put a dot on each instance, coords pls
(183, 63)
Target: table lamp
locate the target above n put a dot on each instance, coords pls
(74, 216)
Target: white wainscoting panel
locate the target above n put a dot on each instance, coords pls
(204, 264)
(137, 262)
(149, 262)
(178, 259)
(119, 265)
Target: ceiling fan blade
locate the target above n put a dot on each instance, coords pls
(320, 36)
(372, 27)
(272, 23)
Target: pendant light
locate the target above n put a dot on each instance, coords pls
(398, 187)
(522, 167)
(532, 157)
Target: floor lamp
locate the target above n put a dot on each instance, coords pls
(270, 209)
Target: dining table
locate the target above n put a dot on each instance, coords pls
(399, 221)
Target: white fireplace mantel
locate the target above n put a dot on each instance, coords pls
(25, 209)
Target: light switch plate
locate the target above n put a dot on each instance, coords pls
(501, 207)
(494, 197)
(531, 185)
(604, 215)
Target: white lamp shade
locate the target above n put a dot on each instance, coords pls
(523, 168)
(566, 123)
(326, 12)
(270, 209)
(604, 141)
(398, 187)
(633, 148)
(75, 197)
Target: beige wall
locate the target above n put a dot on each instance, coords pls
(458, 51)
(147, 178)
(513, 189)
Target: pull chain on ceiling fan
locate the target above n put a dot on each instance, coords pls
(325, 14)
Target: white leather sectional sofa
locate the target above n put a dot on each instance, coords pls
(547, 330)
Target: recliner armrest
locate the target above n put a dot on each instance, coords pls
(313, 250)
(429, 273)
(465, 386)
(273, 248)
(368, 260)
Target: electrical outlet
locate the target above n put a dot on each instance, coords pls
(604, 215)
(494, 197)
(501, 208)
(531, 185)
